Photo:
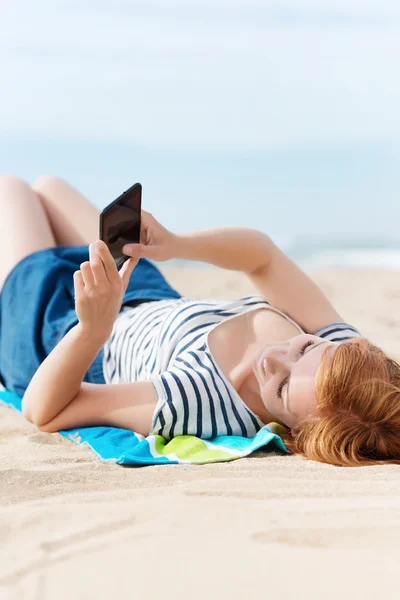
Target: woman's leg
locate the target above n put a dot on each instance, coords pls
(73, 219)
(24, 227)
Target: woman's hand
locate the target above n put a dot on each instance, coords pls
(156, 242)
(99, 290)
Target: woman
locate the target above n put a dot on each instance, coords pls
(88, 345)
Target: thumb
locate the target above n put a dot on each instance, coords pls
(140, 250)
(133, 250)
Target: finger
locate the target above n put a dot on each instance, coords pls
(87, 275)
(79, 285)
(108, 261)
(126, 271)
(97, 265)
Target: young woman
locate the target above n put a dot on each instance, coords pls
(86, 344)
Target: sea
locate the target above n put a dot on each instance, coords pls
(325, 206)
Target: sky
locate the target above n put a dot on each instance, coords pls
(278, 115)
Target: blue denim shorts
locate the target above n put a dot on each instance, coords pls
(37, 309)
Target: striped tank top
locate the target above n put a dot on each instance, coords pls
(165, 342)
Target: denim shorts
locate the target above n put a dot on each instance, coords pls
(37, 309)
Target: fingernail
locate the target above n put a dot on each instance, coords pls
(127, 248)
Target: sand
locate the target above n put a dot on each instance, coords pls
(277, 526)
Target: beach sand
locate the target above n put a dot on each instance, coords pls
(277, 526)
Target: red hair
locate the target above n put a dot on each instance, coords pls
(356, 420)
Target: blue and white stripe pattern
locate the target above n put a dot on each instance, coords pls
(337, 332)
(165, 341)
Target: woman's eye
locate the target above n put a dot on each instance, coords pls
(280, 387)
(303, 348)
(282, 383)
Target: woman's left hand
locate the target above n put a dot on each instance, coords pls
(99, 290)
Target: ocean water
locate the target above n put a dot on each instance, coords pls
(326, 206)
(343, 251)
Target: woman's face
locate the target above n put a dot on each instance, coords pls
(293, 363)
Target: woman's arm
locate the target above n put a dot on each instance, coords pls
(279, 279)
(99, 290)
(127, 405)
(233, 248)
(58, 379)
(287, 287)
(57, 399)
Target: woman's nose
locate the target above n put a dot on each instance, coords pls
(276, 359)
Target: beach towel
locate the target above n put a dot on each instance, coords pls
(124, 447)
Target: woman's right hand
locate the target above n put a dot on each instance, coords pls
(156, 242)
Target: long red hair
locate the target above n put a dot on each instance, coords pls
(356, 420)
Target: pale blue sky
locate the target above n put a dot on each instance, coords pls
(277, 115)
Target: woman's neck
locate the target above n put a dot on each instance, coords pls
(238, 363)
